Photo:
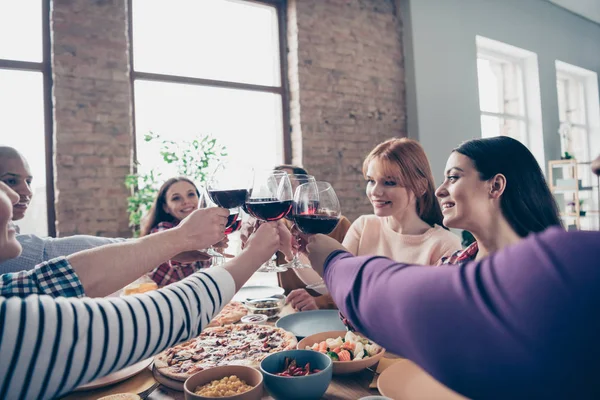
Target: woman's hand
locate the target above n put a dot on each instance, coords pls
(247, 229)
(202, 228)
(301, 300)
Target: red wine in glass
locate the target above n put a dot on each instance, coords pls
(268, 209)
(311, 224)
(231, 198)
(234, 227)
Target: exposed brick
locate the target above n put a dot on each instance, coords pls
(92, 116)
(346, 76)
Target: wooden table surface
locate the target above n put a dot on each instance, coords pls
(342, 387)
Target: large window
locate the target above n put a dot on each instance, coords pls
(577, 89)
(25, 110)
(508, 84)
(210, 67)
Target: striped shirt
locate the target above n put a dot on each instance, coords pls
(49, 346)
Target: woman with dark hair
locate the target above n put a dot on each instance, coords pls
(406, 224)
(495, 189)
(177, 198)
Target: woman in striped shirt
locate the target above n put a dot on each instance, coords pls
(49, 346)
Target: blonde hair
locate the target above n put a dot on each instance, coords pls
(405, 160)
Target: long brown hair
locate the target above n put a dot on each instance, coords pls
(157, 213)
(405, 158)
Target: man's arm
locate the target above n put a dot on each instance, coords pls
(519, 324)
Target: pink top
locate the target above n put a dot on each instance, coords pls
(371, 235)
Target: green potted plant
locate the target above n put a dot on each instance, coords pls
(192, 158)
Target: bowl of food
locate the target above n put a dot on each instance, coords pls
(297, 374)
(231, 382)
(348, 351)
(270, 306)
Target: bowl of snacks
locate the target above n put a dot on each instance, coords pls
(270, 306)
(349, 351)
(226, 382)
(297, 374)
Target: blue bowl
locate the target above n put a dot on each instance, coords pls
(307, 387)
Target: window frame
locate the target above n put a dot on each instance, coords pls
(45, 67)
(282, 89)
(496, 56)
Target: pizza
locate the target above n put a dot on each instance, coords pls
(230, 314)
(242, 344)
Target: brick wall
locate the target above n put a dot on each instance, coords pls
(347, 92)
(347, 89)
(92, 116)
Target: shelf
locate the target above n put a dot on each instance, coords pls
(555, 189)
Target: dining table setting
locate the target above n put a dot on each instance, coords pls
(385, 375)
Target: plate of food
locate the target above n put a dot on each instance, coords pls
(306, 323)
(349, 351)
(405, 380)
(240, 344)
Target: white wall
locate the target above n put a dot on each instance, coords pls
(441, 70)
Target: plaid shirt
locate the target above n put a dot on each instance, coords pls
(172, 271)
(462, 256)
(55, 278)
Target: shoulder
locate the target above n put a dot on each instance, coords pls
(446, 237)
(367, 220)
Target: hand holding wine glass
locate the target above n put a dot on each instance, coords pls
(270, 200)
(316, 210)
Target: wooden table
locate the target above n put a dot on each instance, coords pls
(347, 387)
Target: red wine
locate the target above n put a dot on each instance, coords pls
(311, 224)
(234, 227)
(228, 198)
(309, 207)
(232, 218)
(268, 209)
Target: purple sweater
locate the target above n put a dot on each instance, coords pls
(522, 323)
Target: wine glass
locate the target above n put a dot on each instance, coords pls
(316, 209)
(270, 199)
(228, 186)
(233, 219)
(297, 180)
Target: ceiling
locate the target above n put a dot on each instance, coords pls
(589, 9)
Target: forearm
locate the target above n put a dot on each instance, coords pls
(106, 269)
(243, 267)
(85, 339)
(489, 329)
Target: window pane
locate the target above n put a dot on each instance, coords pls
(21, 30)
(248, 123)
(495, 126)
(207, 39)
(22, 124)
(561, 89)
(489, 76)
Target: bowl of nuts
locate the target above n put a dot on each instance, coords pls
(270, 306)
(231, 382)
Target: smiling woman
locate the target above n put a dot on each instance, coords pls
(495, 189)
(406, 225)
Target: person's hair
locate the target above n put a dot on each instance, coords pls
(406, 160)
(295, 169)
(527, 203)
(157, 213)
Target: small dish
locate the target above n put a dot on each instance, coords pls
(304, 387)
(270, 306)
(251, 376)
(256, 319)
(341, 367)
